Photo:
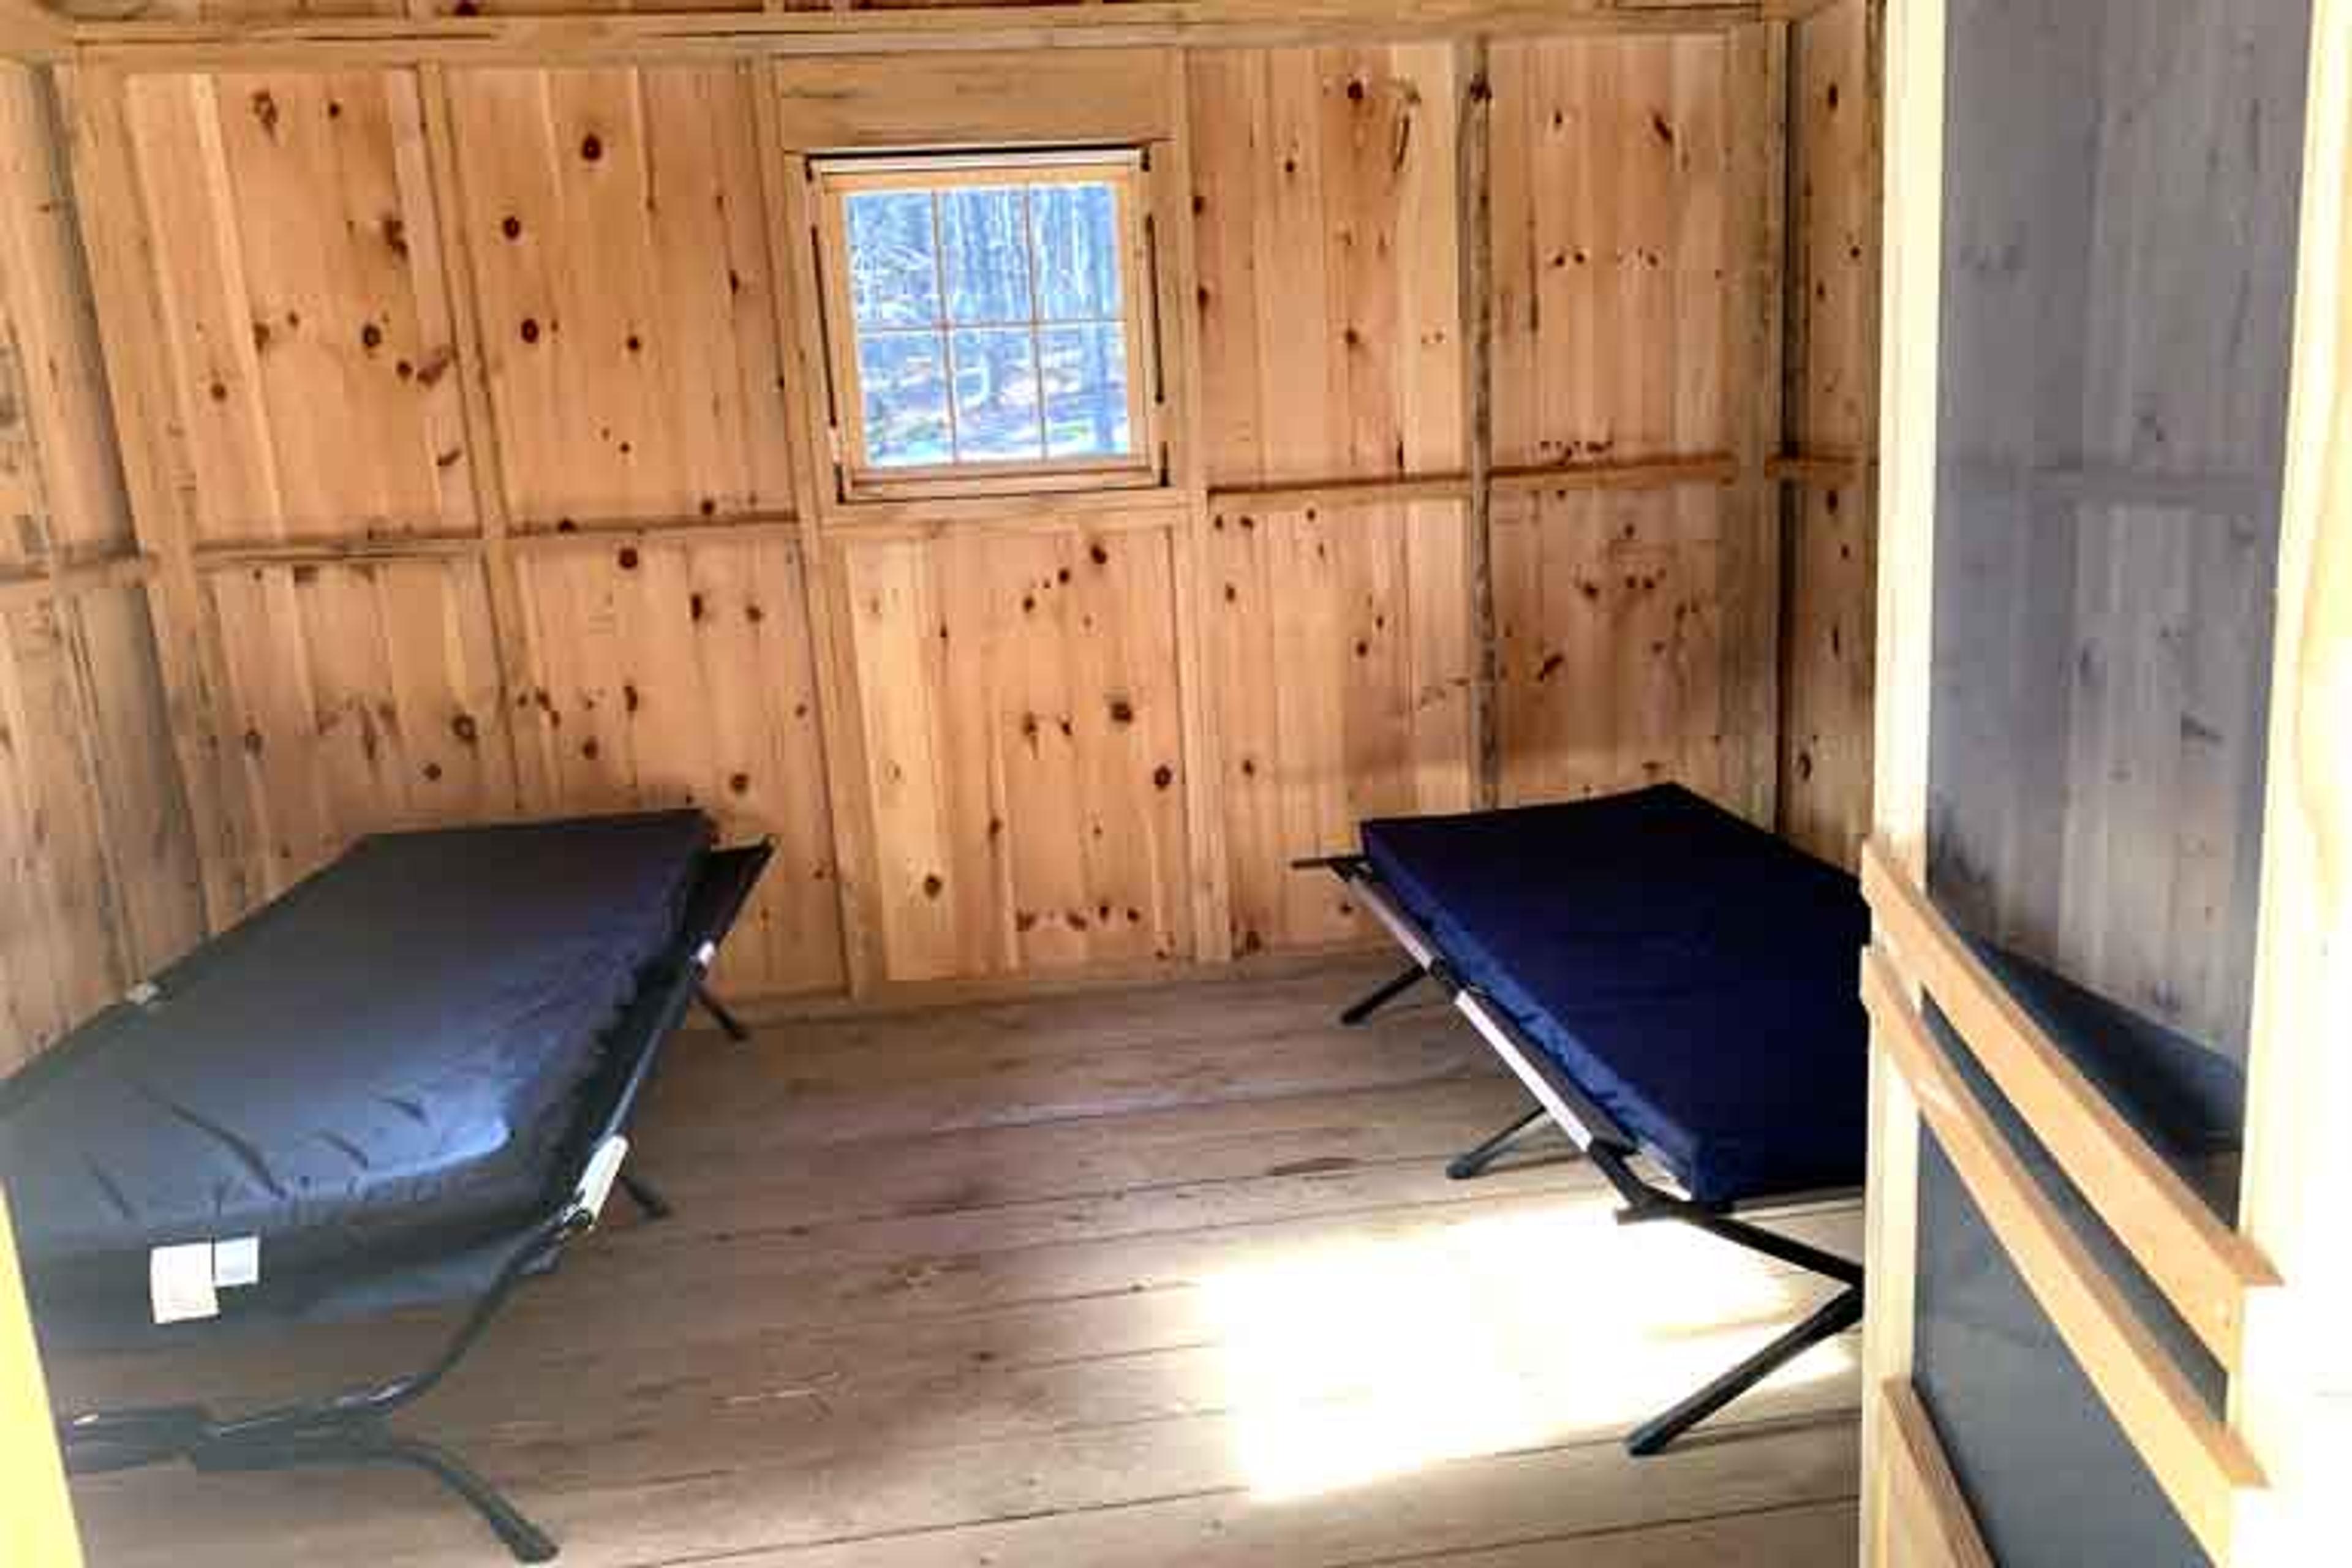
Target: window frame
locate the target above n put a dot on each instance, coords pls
(1124, 171)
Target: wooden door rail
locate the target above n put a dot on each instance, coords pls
(2205, 1268)
(2200, 1463)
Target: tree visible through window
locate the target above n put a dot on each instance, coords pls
(991, 315)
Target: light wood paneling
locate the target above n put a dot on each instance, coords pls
(1827, 672)
(1018, 697)
(100, 874)
(360, 697)
(614, 223)
(564, 313)
(101, 883)
(295, 258)
(1364, 611)
(668, 673)
(63, 478)
(1606, 622)
(60, 950)
(1612, 219)
(958, 99)
(158, 892)
(1324, 197)
(1635, 235)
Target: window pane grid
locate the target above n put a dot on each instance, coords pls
(1037, 348)
(999, 404)
(947, 358)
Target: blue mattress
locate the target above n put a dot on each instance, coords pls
(1695, 976)
(383, 1065)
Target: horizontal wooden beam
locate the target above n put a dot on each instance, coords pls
(563, 37)
(75, 579)
(1144, 511)
(1654, 474)
(231, 557)
(2200, 1463)
(1663, 473)
(1335, 493)
(2205, 1268)
(236, 555)
(1822, 469)
(876, 520)
(783, 527)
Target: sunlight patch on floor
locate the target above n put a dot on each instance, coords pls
(1350, 1361)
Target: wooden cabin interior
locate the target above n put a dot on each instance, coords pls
(1055, 470)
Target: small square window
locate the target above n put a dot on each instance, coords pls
(984, 316)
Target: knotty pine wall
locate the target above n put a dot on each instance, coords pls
(98, 865)
(470, 414)
(1831, 380)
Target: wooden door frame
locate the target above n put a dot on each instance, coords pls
(37, 1527)
(2292, 1398)
(2293, 1384)
(1910, 324)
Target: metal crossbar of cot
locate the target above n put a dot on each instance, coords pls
(1599, 1138)
(353, 1428)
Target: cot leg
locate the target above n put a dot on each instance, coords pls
(1842, 1312)
(525, 1540)
(1389, 991)
(727, 1022)
(1464, 1167)
(645, 1195)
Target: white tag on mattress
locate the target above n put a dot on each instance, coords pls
(180, 1283)
(236, 1261)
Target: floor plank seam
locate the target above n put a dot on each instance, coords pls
(1587, 1537)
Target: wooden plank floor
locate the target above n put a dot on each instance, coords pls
(1160, 1276)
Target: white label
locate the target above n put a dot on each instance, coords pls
(236, 1261)
(180, 1283)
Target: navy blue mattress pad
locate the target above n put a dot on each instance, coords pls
(1696, 976)
(382, 1066)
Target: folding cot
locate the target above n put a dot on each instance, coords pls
(1666, 980)
(408, 1080)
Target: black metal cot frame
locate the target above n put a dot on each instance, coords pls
(1608, 1145)
(353, 1428)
